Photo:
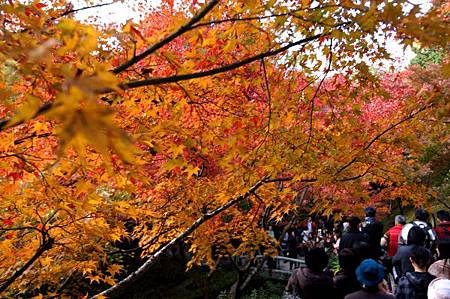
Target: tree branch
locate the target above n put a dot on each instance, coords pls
(443, 201)
(269, 97)
(356, 176)
(186, 27)
(117, 289)
(46, 245)
(379, 135)
(215, 71)
(311, 112)
(18, 228)
(254, 18)
(5, 123)
(34, 134)
(282, 179)
(67, 12)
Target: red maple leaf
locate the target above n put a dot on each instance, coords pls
(7, 222)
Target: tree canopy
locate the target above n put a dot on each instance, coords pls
(198, 124)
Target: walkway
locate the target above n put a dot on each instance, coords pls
(282, 267)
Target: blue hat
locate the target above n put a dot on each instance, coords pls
(370, 211)
(369, 273)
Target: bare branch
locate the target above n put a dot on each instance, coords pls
(67, 12)
(254, 18)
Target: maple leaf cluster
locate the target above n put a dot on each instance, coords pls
(233, 113)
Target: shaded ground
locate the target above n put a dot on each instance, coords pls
(260, 288)
(195, 283)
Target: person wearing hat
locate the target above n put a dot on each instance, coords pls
(370, 275)
(439, 289)
(441, 267)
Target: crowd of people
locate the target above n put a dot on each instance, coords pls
(408, 261)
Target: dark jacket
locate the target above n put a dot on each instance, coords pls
(366, 295)
(401, 262)
(374, 231)
(345, 282)
(350, 238)
(310, 285)
(413, 285)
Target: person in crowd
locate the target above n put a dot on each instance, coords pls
(270, 232)
(285, 244)
(312, 282)
(443, 228)
(389, 243)
(421, 221)
(353, 234)
(373, 230)
(441, 267)
(345, 224)
(401, 260)
(345, 281)
(329, 241)
(390, 238)
(362, 250)
(414, 285)
(292, 247)
(309, 230)
(370, 275)
(439, 289)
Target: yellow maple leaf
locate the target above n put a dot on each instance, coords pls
(115, 236)
(192, 170)
(46, 261)
(114, 269)
(95, 278)
(26, 111)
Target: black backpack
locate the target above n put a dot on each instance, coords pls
(420, 291)
(426, 229)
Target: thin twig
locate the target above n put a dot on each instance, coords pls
(47, 243)
(269, 98)
(186, 27)
(67, 12)
(215, 71)
(311, 113)
(379, 135)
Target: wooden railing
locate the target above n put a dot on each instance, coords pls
(280, 267)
